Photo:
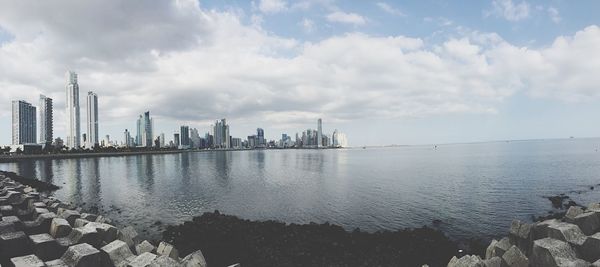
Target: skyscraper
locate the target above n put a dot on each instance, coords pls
(260, 138)
(144, 134)
(127, 137)
(185, 136)
(23, 123)
(92, 120)
(221, 134)
(319, 133)
(45, 120)
(73, 122)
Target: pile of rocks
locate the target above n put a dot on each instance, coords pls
(36, 230)
(573, 240)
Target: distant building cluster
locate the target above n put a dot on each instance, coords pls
(33, 126)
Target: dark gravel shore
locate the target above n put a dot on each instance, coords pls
(226, 240)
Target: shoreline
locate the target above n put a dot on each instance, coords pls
(19, 158)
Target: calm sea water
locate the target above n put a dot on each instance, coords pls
(474, 189)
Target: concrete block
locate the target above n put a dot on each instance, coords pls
(588, 222)
(590, 250)
(468, 260)
(567, 232)
(38, 211)
(572, 263)
(60, 228)
(14, 244)
(70, 216)
(489, 251)
(143, 260)
(17, 223)
(167, 249)
(27, 261)
(7, 210)
(82, 255)
(107, 232)
(515, 258)
(493, 262)
(45, 247)
(44, 221)
(84, 234)
(194, 259)
(129, 236)
(164, 261)
(80, 222)
(547, 251)
(56, 263)
(594, 207)
(6, 227)
(239, 265)
(540, 230)
(145, 246)
(521, 235)
(88, 216)
(501, 247)
(115, 253)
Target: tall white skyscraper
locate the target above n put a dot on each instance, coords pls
(92, 120)
(145, 126)
(45, 120)
(319, 133)
(23, 123)
(73, 119)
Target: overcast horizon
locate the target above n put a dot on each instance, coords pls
(383, 72)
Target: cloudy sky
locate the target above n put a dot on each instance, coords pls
(387, 72)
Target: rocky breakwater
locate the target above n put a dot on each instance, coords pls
(36, 230)
(573, 240)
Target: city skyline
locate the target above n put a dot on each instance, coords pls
(424, 72)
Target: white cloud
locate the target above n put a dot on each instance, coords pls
(207, 64)
(389, 9)
(508, 10)
(347, 18)
(272, 6)
(554, 15)
(308, 26)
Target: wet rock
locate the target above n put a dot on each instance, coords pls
(167, 249)
(45, 247)
(557, 201)
(115, 253)
(145, 246)
(515, 258)
(548, 251)
(194, 259)
(82, 255)
(567, 232)
(588, 222)
(60, 228)
(27, 261)
(107, 232)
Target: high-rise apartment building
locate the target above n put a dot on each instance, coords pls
(221, 134)
(260, 138)
(23, 123)
(319, 133)
(92, 120)
(45, 120)
(72, 103)
(127, 137)
(184, 134)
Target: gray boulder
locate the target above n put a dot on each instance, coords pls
(521, 235)
(84, 234)
(547, 251)
(572, 212)
(82, 255)
(489, 251)
(116, 253)
(142, 260)
(107, 232)
(493, 262)
(145, 246)
(588, 222)
(515, 258)
(540, 230)
(60, 228)
(194, 259)
(466, 261)
(167, 249)
(14, 244)
(45, 247)
(567, 232)
(164, 261)
(70, 216)
(27, 261)
(129, 236)
(590, 250)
